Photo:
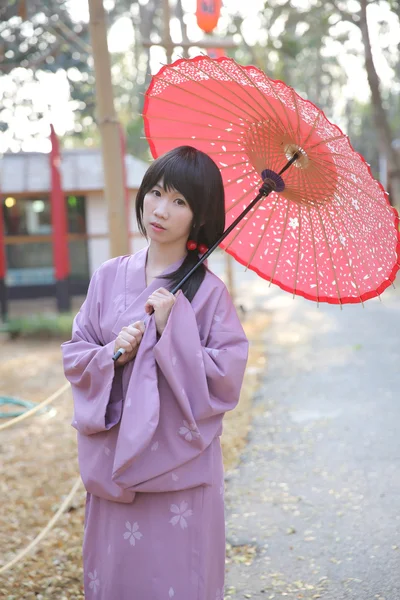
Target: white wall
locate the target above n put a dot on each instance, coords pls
(97, 224)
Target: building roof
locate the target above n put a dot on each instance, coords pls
(81, 171)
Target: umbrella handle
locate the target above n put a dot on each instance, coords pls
(122, 351)
(118, 354)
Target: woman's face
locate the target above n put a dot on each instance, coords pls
(170, 210)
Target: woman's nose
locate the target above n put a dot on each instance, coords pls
(161, 210)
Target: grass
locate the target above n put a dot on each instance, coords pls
(39, 326)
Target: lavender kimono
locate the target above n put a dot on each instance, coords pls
(149, 436)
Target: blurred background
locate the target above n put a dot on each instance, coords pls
(343, 55)
(312, 491)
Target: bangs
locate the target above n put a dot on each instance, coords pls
(196, 176)
(181, 172)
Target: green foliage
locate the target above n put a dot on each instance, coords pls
(40, 326)
(297, 42)
(39, 41)
(47, 41)
(362, 134)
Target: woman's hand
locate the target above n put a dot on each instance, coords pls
(161, 301)
(129, 339)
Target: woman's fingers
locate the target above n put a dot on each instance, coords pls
(134, 331)
(130, 337)
(160, 297)
(125, 344)
(139, 325)
(163, 291)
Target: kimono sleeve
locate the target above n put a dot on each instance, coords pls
(206, 379)
(89, 367)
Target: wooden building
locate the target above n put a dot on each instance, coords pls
(27, 223)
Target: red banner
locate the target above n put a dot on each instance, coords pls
(3, 265)
(207, 14)
(58, 213)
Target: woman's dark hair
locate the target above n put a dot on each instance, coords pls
(196, 176)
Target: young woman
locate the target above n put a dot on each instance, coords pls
(149, 425)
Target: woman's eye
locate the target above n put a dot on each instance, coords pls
(156, 192)
(180, 201)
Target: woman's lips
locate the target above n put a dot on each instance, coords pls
(156, 228)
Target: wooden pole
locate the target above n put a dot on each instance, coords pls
(230, 284)
(110, 132)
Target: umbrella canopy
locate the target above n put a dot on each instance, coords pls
(330, 235)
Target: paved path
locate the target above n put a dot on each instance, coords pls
(314, 508)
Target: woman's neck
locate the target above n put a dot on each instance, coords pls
(160, 257)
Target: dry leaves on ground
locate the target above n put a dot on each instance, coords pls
(39, 467)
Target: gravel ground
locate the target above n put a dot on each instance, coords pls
(313, 507)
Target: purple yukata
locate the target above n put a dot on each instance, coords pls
(149, 435)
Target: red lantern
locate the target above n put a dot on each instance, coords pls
(207, 14)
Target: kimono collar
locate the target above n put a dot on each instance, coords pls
(136, 289)
(143, 262)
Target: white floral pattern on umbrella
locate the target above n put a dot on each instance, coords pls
(181, 514)
(291, 237)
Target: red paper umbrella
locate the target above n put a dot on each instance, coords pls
(321, 226)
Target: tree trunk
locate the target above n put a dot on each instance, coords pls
(167, 41)
(146, 12)
(110, 133)
(179, 15)
(381, 119)
(318, 76)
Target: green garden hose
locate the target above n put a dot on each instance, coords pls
(6, 400)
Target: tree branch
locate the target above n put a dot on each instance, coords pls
(7, 67)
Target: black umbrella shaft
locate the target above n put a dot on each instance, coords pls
(265, 190)
(295, 156)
